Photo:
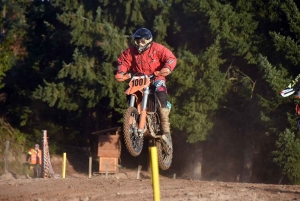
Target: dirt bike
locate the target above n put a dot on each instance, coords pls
(290, 91)
(142, 120)
(287, 92)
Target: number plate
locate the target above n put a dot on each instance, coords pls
(138, 83)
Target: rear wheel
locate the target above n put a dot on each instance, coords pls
(133, 141)
(164, 152)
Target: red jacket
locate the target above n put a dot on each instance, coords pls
(153, 59)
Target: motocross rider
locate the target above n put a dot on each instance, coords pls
(149, 57)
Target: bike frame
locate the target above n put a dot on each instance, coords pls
(142, 120)
(140, 84)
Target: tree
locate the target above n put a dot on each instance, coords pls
(278, 73)
(12, 25)
(84, 86)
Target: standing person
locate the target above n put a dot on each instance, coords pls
(149, 57)
(34, 157)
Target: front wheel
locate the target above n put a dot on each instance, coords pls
(164, 152)
(133, 141)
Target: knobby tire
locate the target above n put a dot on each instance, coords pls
(133, 142)
(164, 156)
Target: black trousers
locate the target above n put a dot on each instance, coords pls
(37, 171)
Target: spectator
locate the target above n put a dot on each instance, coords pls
(34, 158)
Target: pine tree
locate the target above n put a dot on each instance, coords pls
(12, 50)
(278, 73)
(200, 85)
(84, 84)
(12, 25)
(245, 29)
(45, 47)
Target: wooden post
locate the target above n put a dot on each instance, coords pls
(6, 157)
(90, 167)
(139, 172)
(106, 170)
(44, 141)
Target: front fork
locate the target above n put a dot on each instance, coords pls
(143, 112)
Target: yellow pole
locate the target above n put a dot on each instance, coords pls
(150, 165)
(155, 173)
(64, 165)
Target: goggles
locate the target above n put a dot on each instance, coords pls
(141, 42)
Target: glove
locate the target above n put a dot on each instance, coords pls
(120, 77)
(156, 73)
(165, 71)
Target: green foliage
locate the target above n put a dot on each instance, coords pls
(14, 136)
(234, 24)
(276, 77)
(85, 83)
(12, 29)
(288, 45)
(278, 113)
(288, 155)
(201, 75)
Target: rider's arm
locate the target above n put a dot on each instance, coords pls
(124, 65)
(124, 62)
(168, 58)
(168, 61)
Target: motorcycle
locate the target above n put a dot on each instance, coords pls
(290, 91)
(287, 92)
(142, 120)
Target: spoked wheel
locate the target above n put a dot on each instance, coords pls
(164, 152)
(133, 141)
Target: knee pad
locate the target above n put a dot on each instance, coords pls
(163, 98)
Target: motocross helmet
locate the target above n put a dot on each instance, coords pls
(142, 39)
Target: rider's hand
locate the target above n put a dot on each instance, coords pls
(165, 71)
(120, 77)
(127, 76)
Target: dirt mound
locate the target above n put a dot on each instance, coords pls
(7, 176)
(12, 176)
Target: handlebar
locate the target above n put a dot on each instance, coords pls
(156, 73)
(122, 77)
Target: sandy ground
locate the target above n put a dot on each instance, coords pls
(125, 186)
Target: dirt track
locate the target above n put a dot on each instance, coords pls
(124, 186)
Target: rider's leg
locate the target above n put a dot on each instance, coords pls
(295, 83)
(164, 115)
(161, 92)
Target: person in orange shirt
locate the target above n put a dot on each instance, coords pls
(34, 158)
